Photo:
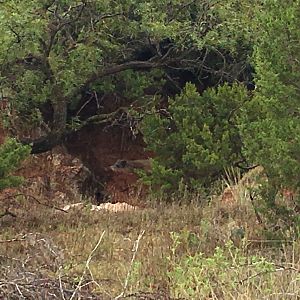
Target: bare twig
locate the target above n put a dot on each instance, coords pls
(36, 200)
(60, 284)
(108, 16)
(87, 266)
(19, 291)
(7, 213)
(114, 69)
(23, 238)
(18, 37)
(258, 217)
(134, 250)
(267, 272)
(84, 105)
(62, 23)
(280, 295)
(181, 7)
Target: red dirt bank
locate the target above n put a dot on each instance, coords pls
(54, 174)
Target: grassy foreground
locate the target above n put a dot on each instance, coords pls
(188, 251)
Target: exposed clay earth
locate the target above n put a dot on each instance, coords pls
(100, 149)
(80, 169)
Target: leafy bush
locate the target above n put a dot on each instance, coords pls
(271, 131)
(12, 154)
(226, 273)
(196, 139)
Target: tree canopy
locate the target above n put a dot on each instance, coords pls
(271, 126)
(12, 154)
(57, 52)
(180, 66)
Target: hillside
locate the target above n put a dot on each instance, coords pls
(149, 149)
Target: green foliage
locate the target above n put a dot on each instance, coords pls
(197, 276)
(12, 154)
(271, 120)
(53, 51)
(197, 140)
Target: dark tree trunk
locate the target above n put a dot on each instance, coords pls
(59, 105)
(45, 143)
(58, 128)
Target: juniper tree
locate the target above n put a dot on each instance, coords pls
(55, 55)
(271, 124)
(12, 154)
(197, 139)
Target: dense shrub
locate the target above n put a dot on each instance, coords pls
(12, 154)
(196, 139)
(271, 120)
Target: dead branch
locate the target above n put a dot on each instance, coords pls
(258, 217)
(87, 266)
(114, 69)
(7, 213)
(62, 23)
(36, 200)
(104, 118)
(23, 238)
(134, 250)
(280, 269)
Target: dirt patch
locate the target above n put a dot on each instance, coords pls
(52, 178)
(99, 149)
(93, 149)
(63, 174)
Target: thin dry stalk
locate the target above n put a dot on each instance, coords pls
(87, 265)
(134, 250)
(60, 284)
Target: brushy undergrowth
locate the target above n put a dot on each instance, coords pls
(188, 251)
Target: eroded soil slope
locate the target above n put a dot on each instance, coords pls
(81, 167)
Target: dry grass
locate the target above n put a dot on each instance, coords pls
(174, 258)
